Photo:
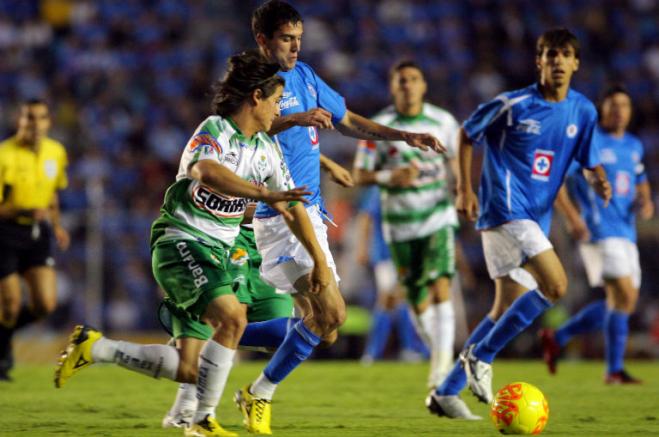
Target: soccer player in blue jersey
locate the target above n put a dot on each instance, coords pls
(307, 104)
(390, 307)
(530, 136)
(610, 256)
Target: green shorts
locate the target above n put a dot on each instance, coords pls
(242, 264)
(192, 274)
(264, 301)
(420, 262)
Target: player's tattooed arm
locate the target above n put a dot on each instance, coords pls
(317, 117)
(356, 126)
(573, 220)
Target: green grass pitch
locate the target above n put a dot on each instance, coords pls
(326, 399)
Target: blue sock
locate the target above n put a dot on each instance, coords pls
(589, 319)
(296, 347)
(524, 310)
(616, 328)
(269, 333)
(457, 379)
(377, 338)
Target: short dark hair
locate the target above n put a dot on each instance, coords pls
(270, 16)
(246, 72)
(556, 38)
(34, 101)
(405, 63)
(616, 88)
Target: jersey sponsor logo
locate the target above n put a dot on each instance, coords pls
(542, 161)
(239, 256)
(312, 90)
(623, 183)
(204, 139)
(50, 168)
(288, 100)
(571, 130)
(192, 264)
(529, 126)
(231, 158)
(313, 136)
(218, 205)
(608, 156)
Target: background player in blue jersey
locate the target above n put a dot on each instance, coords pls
(530, 138)
(610, 256)
(390, 308)
(307, 103)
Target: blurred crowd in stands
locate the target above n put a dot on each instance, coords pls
(128, 82)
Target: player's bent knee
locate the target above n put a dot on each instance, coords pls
(554, 290)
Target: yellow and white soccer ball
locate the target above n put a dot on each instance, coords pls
(519, 408)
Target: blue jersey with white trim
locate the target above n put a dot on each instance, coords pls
(370, 204)
(622, 159)
(529, 145)
(304, 91)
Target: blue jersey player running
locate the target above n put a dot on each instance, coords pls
(530, 136)
(307, 104)
(610, 256)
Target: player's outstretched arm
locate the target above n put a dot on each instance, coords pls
(399, 177)
(317, 117)
(356, 126)
(338, 174)
(574, 222)
(222, 180)
(301, 227)
(466, 201)
(644, 199)
(599, 181)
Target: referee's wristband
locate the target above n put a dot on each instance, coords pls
(383, 177)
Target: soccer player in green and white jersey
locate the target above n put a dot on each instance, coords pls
(418, 215)
(228, 160)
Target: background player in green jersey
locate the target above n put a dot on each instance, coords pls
(418, 215)
(227, 161)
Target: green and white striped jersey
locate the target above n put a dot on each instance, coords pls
(194, 211)
(417, 211)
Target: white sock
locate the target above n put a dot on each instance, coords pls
(445, 326)
(153, 360)
(185, 403)
(425, 325)
(103, 350)
(263, 388)
(215, 362)
(443, 338)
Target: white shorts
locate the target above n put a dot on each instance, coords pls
(510, 245)
(611, 258)
(386, 278)
(285, 259)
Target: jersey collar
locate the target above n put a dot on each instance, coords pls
(239, 135)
